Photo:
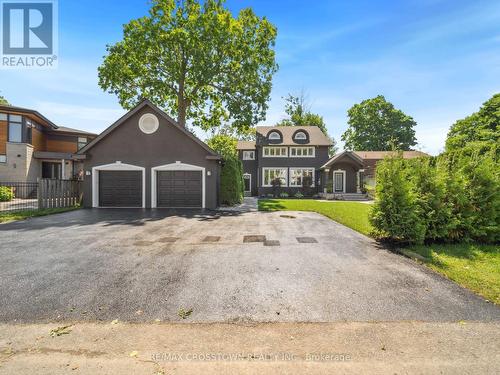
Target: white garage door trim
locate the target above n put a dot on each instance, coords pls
(117, 166)
(177, 166)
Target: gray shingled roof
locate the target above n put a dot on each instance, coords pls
(245, 145)
(316, 136)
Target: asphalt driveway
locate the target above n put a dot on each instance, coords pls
(139, 265)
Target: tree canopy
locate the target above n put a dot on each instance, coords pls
(3, 101)
(479, 130)
(196, 61)
(299, 114)
(376, 125)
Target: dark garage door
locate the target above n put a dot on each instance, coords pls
(120, 189)
(179, 189)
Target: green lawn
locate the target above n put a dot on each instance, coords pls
(351, 214)
(473, 266)
(21, 215)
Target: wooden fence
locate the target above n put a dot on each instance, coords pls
(59, 193)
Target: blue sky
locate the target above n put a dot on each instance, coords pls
(437, 60)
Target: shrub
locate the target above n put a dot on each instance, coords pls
(276, 184)
(284, 195)
(231, 182)
(6, 194)
(428, 186)
(299, 195)
(394, 214)
(453, 197)
(329, 187)
(307, 182)
(231, 178)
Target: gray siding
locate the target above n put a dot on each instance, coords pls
(254, 167)
(250, 167)
(128, 144)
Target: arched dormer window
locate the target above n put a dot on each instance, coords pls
(300, 136)
(274, 136)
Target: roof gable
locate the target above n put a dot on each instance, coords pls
(344, 154)
(158, 111)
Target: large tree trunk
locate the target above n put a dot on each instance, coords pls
(181, 116)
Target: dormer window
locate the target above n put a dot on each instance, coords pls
(300, 136)
(274, 136)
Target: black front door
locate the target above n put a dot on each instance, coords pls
(338, 182)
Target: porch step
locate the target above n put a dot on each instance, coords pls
(354, 197)
(347, 196)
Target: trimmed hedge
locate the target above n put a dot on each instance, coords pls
(231, 179)
(231, 182)
(6, 194)
(453, 197)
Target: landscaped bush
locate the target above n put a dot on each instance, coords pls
(284, 195)
(329, 187)
(231, 178)
(299, 195)
(395, 214)
(453, 197)
(276, 184)
(6, 194)
(231, 182)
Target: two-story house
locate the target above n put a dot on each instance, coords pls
(289, 153)
(292, 152)
(33, 147)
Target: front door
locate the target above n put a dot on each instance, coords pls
(338, 182)
(247, 181)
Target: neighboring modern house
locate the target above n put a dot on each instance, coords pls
(146, 159)
(349, 170)
(33, 147)
(289, 153)
(293, 152)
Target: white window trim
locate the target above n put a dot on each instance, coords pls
(117, 166)
(343, 180)
(303, 156)
(301, 169)
(274, 168)
(274, 156)
(302, 134)
(245, 155)
(274, 136)
(177, 166)
(250, 185)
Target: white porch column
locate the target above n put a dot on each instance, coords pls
(63, 169)
(327, 171)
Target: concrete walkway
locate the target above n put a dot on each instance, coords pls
(249, 204)
(265, 348)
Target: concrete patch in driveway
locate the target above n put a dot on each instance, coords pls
(254, 238)
(83, 265)
(271, 243)
(306, 240)
(211, 239)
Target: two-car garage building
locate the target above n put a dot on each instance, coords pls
(147, 160)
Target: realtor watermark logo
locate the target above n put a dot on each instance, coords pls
(29, 34)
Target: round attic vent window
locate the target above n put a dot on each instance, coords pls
(148, 123)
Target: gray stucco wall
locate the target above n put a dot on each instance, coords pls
(128, 144)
